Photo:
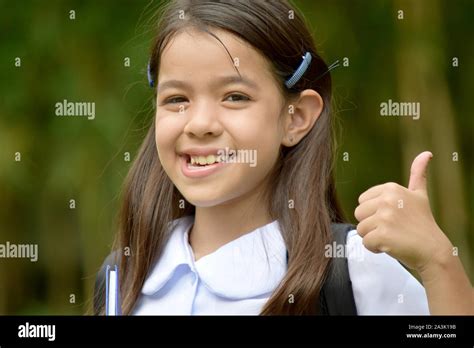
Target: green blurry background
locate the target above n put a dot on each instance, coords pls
(83, 59)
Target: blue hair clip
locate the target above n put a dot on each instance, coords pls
(151, 81)
(300, 71)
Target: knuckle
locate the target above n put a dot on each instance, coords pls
(371, 243)
(391, 186)
(386, 215)
(384, 240)
(387, 200)
(383, 234)
(361, 230)
(358, 213)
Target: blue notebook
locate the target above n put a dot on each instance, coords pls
(112, 289)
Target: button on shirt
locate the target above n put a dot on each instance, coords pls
(239, 277)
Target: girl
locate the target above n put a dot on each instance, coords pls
(205, 232)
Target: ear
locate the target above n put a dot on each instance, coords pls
(301, 116)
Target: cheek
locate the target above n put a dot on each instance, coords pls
(261, 132)
(167, 131)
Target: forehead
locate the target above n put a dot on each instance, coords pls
(196, 54)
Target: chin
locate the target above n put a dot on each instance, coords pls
(202, 198)
(203, 202)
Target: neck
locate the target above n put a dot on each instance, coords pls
(218, 225)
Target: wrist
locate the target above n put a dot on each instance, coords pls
(443, 260)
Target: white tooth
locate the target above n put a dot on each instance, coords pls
(210, 159)
(192, 160)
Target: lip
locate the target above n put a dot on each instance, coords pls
(201, 151)
(199, 172)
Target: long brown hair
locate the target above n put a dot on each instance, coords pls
(303, 173)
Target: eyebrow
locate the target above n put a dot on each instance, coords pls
(221, 81)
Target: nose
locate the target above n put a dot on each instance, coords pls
(203, 120)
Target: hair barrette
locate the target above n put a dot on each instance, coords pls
(300, 71)
(151, 81)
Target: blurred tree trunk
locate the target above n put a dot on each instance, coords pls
(421, 62)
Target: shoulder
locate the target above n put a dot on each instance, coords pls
(381, 285)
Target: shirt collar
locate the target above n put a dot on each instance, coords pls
(251, 265)
(174, 254)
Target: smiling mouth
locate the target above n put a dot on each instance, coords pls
(204, 161)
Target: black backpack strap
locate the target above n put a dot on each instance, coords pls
(336, 297)
(99, 287)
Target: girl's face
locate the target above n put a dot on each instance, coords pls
(203, 107)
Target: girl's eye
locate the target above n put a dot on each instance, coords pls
(237, 97)
(175, 100)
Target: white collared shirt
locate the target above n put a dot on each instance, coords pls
(239, 277)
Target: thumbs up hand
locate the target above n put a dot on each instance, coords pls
(398, 220)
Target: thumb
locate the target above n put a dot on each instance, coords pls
(418, 171)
